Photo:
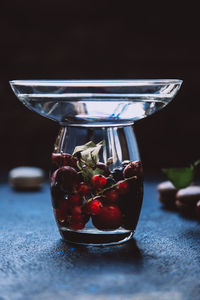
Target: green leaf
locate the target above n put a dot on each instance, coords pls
(95, 151)
(84, 147)
(180, 177)
(89, 153)
(88, 173)
(86, 156)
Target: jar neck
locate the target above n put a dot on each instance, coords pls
(119, 142)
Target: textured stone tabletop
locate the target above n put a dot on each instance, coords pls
(161, 262)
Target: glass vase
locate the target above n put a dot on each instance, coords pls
(96, 176)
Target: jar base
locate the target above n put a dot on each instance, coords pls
(98, 239)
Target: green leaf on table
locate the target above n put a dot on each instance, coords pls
(180, 177)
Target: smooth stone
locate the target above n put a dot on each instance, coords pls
(26, 178)
(167, 193)
(189, 195)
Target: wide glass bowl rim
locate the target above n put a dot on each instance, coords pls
(95, 83)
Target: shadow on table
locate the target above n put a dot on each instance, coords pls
(192, 235)
(127, 253)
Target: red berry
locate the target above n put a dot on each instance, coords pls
(63, 159)
(53, 177)
(111, 195)
(76, 226)
(94, 207)
(69, 160)
(80, 212)
(110, 218)
(78, 218)
(57, 160)
(57, 198)
(75, 199)
(64, 206)
(62, 211)
(99, 181)
(76, 210)
(56, 190)
(133, 169)
(122, 187)
(66, 177)
(84, 189)
(103, 167)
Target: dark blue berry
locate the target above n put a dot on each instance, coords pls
(118, 174)
(109, 181)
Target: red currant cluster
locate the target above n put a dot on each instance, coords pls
(106, 198)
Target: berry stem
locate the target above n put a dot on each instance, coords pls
(116, 184)
(79, 165)
(110, 187)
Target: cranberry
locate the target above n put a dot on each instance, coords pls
(133, 169)
(62, 211)
(122, 187)
(60, 159)
(56, 200)
(112, 195)
(80, 213)
(53, 177)
(84, 189)
(57, 160)
(69, 160)
(78, 218)
(76, 210)
(98, 181)
(77, 226)
(67, 177)
(110, 218)
(56, 192)
(103, 167)
(75, 199)
(94, 207)
(77, 213)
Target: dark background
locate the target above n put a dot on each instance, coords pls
(80, 39)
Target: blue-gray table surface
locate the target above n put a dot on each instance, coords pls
(161, 262)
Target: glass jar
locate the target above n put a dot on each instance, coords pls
(96, 176)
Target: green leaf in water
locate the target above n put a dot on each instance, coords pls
(83, 147)
(88, 159)
(88, 173)
(180, 177)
